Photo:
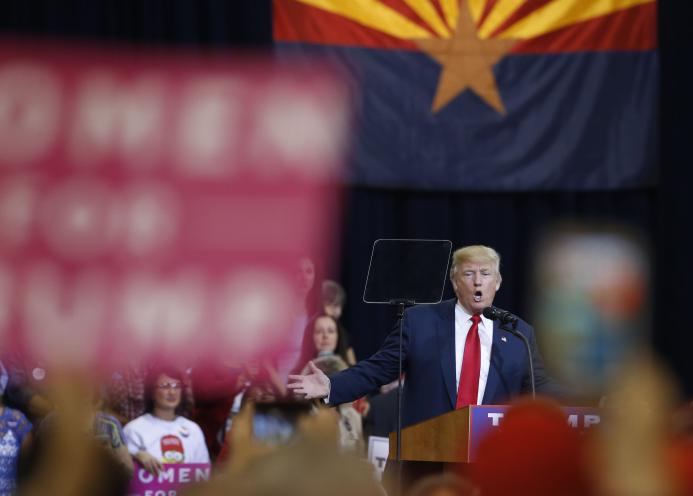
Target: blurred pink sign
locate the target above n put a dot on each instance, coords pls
(169, 480)
(160, 203)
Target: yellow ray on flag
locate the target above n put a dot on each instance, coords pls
(451, 10)
(426, 11)
(476, 8)
(560, 13)
(501, 11)
(374, 15)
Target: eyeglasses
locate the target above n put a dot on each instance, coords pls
(170, 385)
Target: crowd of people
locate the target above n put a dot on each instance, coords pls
(151, 413)
(244, 422)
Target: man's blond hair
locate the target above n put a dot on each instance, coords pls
(475, 253)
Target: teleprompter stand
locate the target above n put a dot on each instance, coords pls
(403, 273)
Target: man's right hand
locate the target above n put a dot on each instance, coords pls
(309, 386)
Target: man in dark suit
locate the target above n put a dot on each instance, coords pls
(453, 356)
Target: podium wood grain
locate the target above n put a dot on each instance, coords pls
(441, 439)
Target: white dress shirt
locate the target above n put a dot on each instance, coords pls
(463, 322)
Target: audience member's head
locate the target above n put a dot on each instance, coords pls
(330, 364)
(285, 472)
(325, 335)
(307, 273)
(333, 298)
(443, 485)
(165, 389)
(321, 337)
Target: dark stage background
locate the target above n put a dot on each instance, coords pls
(509, 222)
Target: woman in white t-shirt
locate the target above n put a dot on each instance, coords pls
(161, 435)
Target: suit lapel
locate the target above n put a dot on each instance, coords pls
(493, 378)
(445, 328)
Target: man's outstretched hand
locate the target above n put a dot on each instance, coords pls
(315, 384)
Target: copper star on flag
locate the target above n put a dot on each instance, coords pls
(466, 62)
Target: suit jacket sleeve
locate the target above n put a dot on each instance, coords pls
(368, 375)
(544, 384)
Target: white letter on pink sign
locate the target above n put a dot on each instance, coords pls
(145, 476)
(77, 218)
(299, 130)
(184, 475)
(208, 128)
(163, 311)
(118, 119)
(201, 474)
(149, 218)
(29, 112)
(167, 475)
(63, 317)
(249, 305)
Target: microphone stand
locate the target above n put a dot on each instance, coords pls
(402, 305)
(518, 334)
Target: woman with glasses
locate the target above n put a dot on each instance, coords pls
(162, 435)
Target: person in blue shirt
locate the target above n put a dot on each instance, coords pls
(15, 438)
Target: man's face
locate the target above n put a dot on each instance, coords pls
(475, 285)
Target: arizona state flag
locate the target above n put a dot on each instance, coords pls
(491, 94)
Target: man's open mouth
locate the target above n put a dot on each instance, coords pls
(477, 296)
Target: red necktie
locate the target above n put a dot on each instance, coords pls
(471, 366)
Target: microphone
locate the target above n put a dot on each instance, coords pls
(503, 316)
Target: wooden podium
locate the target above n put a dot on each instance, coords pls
(430, 447)
(454, 437)
(441, 439)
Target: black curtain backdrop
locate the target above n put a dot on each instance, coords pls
(509, 222)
